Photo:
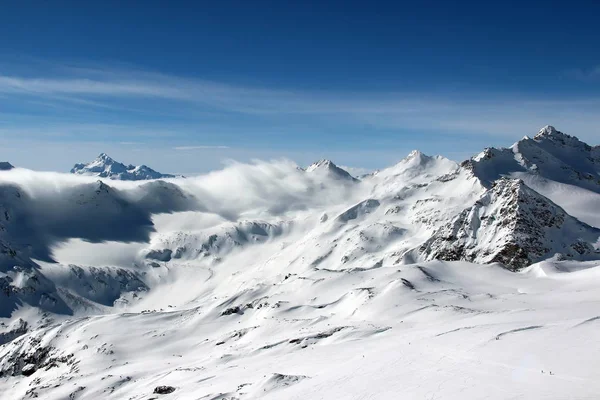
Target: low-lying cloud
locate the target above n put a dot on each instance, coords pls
(41, 210)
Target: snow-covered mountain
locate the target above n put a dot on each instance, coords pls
(551, 154)
(516, 226)
(425, 279)
(327, 169)
(105, 167)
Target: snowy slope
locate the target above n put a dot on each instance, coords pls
(266, 280)
(452, 330)
(105, 167)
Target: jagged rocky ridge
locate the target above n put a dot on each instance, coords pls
(513, 225)
(105, 167)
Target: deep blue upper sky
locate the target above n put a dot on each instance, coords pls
(361, 81)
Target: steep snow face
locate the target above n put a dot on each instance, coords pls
(550, 154)
(105, 167)
(514, 225)
(326, 168)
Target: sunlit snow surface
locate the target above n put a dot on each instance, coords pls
(451, 330)
(269, 281)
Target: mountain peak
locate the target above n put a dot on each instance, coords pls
(416, 157)
(104, 156)
(324, 163)
(415, 153)
(5, 166)
(104, 166)
(558, 138)
(104, 159)
(329, 168)
(550, 154)
(548, 130)
(515, 225)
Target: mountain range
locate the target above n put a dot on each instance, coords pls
(105, 167)
(266, 280)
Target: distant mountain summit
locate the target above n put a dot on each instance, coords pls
(328, 168)
(5, 166)
(105, 167)
(551, 154)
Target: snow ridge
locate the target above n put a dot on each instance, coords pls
(551, 154)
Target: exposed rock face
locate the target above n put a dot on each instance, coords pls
(164, 389)
(33, 355)
(514, 225)
(105, 167)
(14, 330)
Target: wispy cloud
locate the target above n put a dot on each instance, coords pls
(103, 93)
(40, 86)
(190, 148)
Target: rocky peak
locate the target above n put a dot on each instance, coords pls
(104, 157)
(514, 225)
(548, 130)
(5, 166)
(104, 166)
(550, 133)
(414, 154)
(551, 154)
(327, 167)
(417, 157)
(327, 164)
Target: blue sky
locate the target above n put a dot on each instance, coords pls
(183, 86)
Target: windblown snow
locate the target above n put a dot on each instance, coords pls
(429, 279)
